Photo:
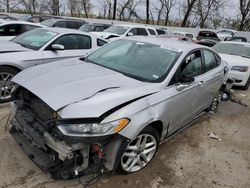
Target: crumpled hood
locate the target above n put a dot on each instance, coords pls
(104, 35)
(9, 46)
(233, 60)
(78, 90)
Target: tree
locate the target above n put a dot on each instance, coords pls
(9, 4)
(205, 9)
(54, 7)
(106, 8)
(147, 11)
(127, 9)
(114, 9)
(187, 7)
(244, 14)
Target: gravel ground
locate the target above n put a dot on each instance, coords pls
(191, 159)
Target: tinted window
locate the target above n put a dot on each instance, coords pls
(210, 61)
(134, 31)
(74, 42)
(160, 32)
(142, 31)
(71, 24)
(11, 30)
(101, 42)
(192, 65)
(60, 24)
(29, 27)
(151, 31)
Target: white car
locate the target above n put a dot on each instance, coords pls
(224, 33)
(182, 33)
(38, 47)
(120, 31)
(237, 55)
(9, 29)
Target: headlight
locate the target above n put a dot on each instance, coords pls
(93, 129)
(240, 68)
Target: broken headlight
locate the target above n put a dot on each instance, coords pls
(93, 129)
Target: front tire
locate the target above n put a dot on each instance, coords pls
(245, 87)
(140, 151)
(6, 86)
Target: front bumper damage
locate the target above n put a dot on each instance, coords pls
(64, 157)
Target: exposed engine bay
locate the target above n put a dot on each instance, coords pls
(34, 129)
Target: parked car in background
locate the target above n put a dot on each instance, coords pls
(162, 31)
(95, 27)
(206, 42)
(143, 90)
(204, 34)
(176, 37)
(236, 39)
(237, 55)
(120, 31)
(64, 23)
(36, 18)
(224, 33)
(41, 46)
(182, 33)
(10, 29)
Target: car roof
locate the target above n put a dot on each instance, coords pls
(66, 19)
(2, 22)
(166, 43)
(134, 25)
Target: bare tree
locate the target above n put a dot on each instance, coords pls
(106, 8)
(206, 9)
(147, 11)
(54, 6)
(127, 9)
(244, 14)
(187, 8)
(34, 6)
(114, 9)
(9, 4)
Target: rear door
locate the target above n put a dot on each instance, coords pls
(212, 78)
(75, 45)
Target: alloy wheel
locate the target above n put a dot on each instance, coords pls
(139, 153)
(6, 85)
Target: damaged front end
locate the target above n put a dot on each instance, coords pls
(44, 137)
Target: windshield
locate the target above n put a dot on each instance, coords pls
(86, 28)
(25, 18)
(34, 39)
(117, 29)
(138, 60)
(233, 49)
(49, 22)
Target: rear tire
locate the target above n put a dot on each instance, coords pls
(245, 87)
(140, 151)
(6, 74)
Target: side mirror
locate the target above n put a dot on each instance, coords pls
(130, 34)
(57, 47)
(184, 79)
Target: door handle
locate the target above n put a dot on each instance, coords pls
(201, 83)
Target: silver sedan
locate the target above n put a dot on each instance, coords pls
(41, 46)
(115, 106)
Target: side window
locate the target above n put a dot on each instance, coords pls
(29, 27)
(160, 32)
(151, 31)
(71, 25)
(101, 42)
(3, 30)
(142, 31)
(134, 31)
(210, 60)
(192, 65)
(60, 24)
(13, 30)
(74, 42)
